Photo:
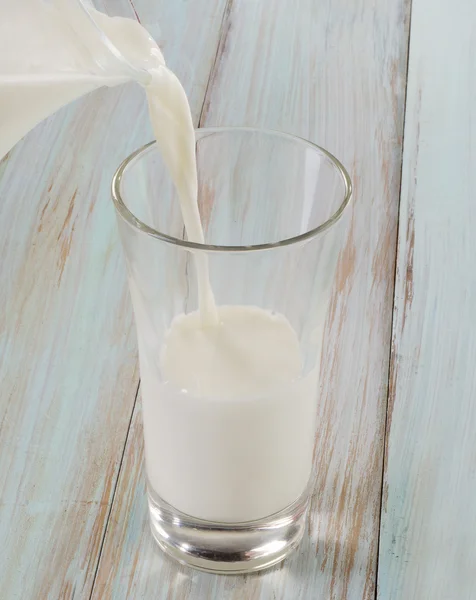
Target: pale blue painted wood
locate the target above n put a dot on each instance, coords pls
(333, 72)
(428, 543)
(68, 370)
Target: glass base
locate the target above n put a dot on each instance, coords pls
(227, 548)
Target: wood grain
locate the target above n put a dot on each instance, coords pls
(68, 368)
(427, 547)
(333, 72)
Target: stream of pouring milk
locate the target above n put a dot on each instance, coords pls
(173, 128)
(229, 422)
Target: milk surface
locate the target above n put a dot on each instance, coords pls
(250, 352)
(228, 416)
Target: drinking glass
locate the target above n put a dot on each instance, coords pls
(229, 475)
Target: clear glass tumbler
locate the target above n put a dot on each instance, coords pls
(229, 468)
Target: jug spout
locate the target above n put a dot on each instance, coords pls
(117, 44)
(54, 51)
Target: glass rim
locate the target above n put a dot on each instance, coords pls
(136, 223)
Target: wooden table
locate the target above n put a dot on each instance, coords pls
(389, 88)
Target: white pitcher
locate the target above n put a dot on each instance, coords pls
(53, 51)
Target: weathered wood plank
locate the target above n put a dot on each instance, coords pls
(68, 367)
(427, 547)
(333, 72)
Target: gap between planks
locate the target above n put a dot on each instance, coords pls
(106, 524)
(390, 389)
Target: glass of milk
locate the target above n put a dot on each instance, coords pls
(230, 389)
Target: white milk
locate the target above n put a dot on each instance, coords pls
(237, 445)
(228, 421)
